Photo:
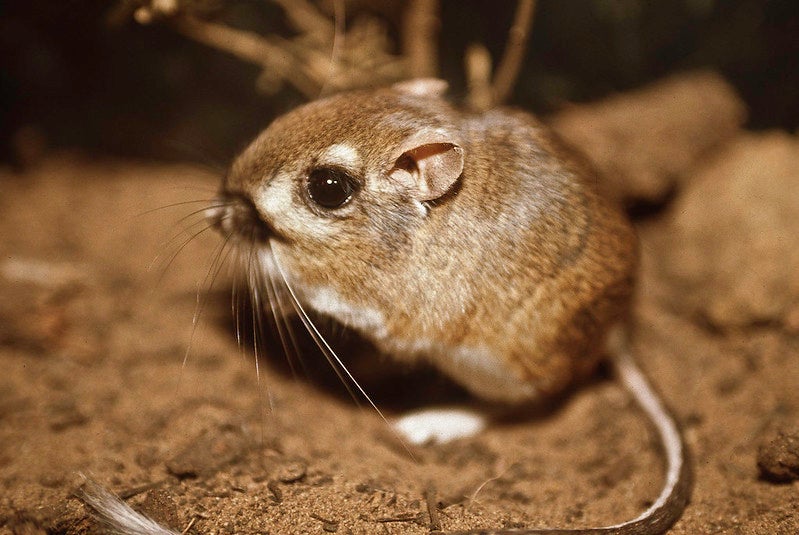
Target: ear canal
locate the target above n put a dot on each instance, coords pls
(429, 170)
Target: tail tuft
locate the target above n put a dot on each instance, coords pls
(117, 516)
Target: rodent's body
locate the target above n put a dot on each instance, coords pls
(471, 240)
(507, 279)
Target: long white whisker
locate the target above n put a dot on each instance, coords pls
(235, 300)
(175, 205)
(335, 363)
(176, 253)
(140, 214)
(186, 228)
(315, 332)
(291, 349)
(255, 283)
(279, 327)
(201, 211)
(219, 257)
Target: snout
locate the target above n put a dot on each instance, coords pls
(235, 216)
(215, 213)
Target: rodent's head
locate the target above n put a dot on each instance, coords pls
(337, 186)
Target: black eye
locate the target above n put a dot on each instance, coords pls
(331, 188)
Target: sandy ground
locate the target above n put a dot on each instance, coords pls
(96, 318)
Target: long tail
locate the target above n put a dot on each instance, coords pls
(673, 498)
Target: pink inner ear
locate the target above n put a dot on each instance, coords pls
(439, 166)
(430, 150)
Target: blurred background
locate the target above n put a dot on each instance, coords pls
(87, 75)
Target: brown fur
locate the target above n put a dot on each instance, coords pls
(520, 256)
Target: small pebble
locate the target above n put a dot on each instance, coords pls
(778, 455)
(291, 472)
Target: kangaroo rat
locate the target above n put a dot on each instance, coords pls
(473, 241)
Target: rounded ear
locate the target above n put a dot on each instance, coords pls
(422, 87)
(429, 170)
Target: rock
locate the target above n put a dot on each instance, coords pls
(208, 453)
(645, 142)
(778, 455)
(291, 472)
(736, 235)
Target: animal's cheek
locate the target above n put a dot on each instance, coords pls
(281, 207)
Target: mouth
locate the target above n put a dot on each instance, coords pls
(236, 217)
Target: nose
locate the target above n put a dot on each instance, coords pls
(234, 215)
(215, 213)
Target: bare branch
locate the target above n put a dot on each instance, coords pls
(419, 36)
(478, 77)
(509, 66)
(322, 55)
(338, 44)
(307, 18)
(250, 47)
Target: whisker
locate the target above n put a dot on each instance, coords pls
(168, 243)
(173, 205)
(133, 218)
(290, 347)
(197, 187)
(335, 363)
(201, 211)
(219, 257)
(207, 157)
(235, 299)
(187, 228)
(276, 320)
(312, 329)
(330, 354)
(254, 276)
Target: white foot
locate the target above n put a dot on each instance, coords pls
(439, 426)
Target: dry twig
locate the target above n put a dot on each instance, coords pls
(305, 17)
(324, 55)
(509, 66)
(478, 77)
(432, 508)
(315, 58)
(272, 55)
(419, 35)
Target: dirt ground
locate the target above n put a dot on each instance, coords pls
(96, 321)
